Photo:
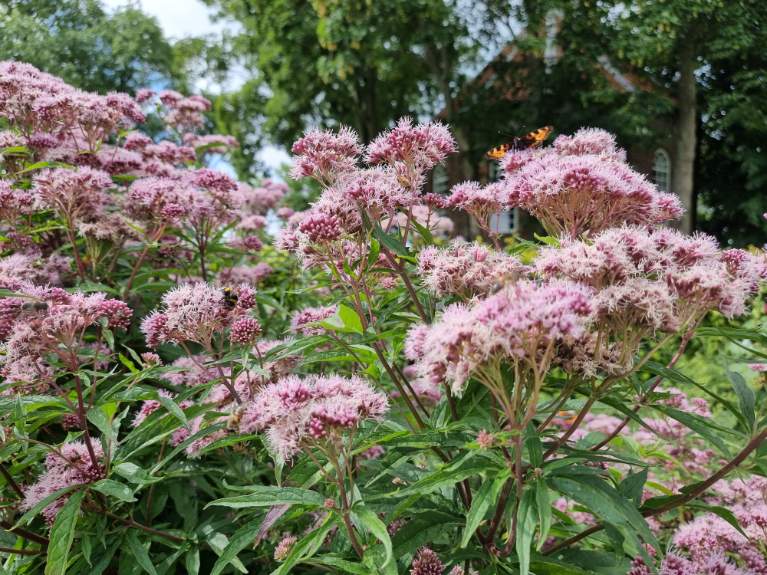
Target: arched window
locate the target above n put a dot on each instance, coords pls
(661, 170)
(439, 182)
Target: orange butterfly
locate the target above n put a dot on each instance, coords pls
(532, 139)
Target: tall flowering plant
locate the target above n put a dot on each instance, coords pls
(364, 394)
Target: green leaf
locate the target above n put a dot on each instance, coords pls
(350, 318)
(139, 552)
(173, 408)
(526, 521)
(135, 474)
(268, 495)
(114, 489)
(62, 535)
(697, 423)
(192, 561)
(243, 537)
(450, 474)
(342, 564)
(391, 242)
(746, 397)
(543, 502)
(632, 486)
(101, 417)
(372, 523)
(482, 501)
(607, 503)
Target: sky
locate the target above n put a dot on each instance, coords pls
(182, 18)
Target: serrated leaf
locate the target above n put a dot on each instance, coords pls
(526, 521)
(139, 552)
(173, 408)
(607, 503)
(62, 535)
(485, 498)
(543, 504)
(372, 523)
(268, 496)
(114, 489)
(243, 537)
(746, 398)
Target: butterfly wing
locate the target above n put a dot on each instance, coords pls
(533, 139)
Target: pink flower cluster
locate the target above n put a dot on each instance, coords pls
(195, 312)
(324, 155)
(527, 323)
(69, 466)
(660, 279)
(467, 269)
(388, 189)
(295, 411)
(411, 150)
(579, 186)
(37, 102)
(44, 322)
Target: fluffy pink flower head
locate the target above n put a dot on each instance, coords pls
(304, 322)
(14, 202)
(74, 194)
(583, 185)
(157, 198)
(467, 269)
(411, 149)
(481, 202)
(518, 324)
(259, 200)
(72, 465)
(324, 155)
(193, 312)
(295, 412)
(376, 190)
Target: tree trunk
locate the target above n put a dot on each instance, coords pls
(682, 182)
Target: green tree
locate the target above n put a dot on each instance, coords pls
(682, 44)
(87, 46)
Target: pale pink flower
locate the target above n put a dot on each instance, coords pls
(71, 465)
(467, 269)
(582, 186)
(482, 202)
(412, 149)
(295, 411)
(517, 324)
(324, 155)
(284, 547)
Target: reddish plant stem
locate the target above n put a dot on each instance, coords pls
(136, 525)
(140, 260)
(700, 488)
(14, 551)
(24, 533)
(12, 482)
(81, 410)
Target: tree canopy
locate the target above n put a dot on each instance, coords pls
(86, 45)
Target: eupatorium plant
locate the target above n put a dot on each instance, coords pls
(182, 393)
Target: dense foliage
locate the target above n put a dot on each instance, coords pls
(180, 394)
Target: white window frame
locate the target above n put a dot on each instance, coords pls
(661, 170)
